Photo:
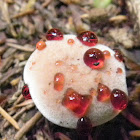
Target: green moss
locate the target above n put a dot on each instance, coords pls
(102, 3)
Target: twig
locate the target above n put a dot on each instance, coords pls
(131, 118)
(28, 125)
(19, 99)
(46, 3)
(8, 74)
(16, 116)
(25, 103)
(135, 133)
(27, 12)
(19, 47)
(118, 18)
(9, 118)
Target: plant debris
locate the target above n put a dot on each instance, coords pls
(23, 23)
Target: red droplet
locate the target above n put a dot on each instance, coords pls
(59, 81)
(54, 34)
(40, 45)
(119, 99)
(84, 126)
(106, 54)
(59, 63)
(118, 55)
(88, 38)
(119, 70)
(94, 58)
(25, 92)
(103, 92)
(77, 103)
(70, 41)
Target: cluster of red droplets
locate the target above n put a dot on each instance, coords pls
(25, 92)
(118, 98)
(76, 102)
(79, 104)
(94, 58)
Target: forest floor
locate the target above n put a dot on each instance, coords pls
(24, 22)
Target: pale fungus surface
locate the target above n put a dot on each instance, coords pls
(68, 79)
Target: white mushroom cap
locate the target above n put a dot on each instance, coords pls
(41, 68)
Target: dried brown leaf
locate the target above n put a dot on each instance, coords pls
(122, 36)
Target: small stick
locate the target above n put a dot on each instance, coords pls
(135, 133)
(19, 99)
(19, 47)
(9, 118)
(25, 103)
(18, 114)
(28, 125)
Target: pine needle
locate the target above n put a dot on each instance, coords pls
(9, 118)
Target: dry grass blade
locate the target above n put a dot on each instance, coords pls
(29, 9)
(25, 103)
(9, 118)
(27, 12)
(28, 125)
(8, 74)
(19, 99)
(5, 14)
(19, 47)
(18, 114)
(118, 18)
(135, 133)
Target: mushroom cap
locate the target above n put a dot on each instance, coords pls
(42, 66)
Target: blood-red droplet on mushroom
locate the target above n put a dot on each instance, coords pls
(40, 45)
(119, 71)
(106, 54)
(25, 92)
(103, 92)
(70, 41)
(88, 38)
(119, 99)
(77, 103)
(59, 81)
(94, 58)
(54, 34)
(84, 126)
(118, 55)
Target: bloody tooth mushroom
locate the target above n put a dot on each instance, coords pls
(61, 72)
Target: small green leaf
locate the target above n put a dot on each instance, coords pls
(102, 3)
